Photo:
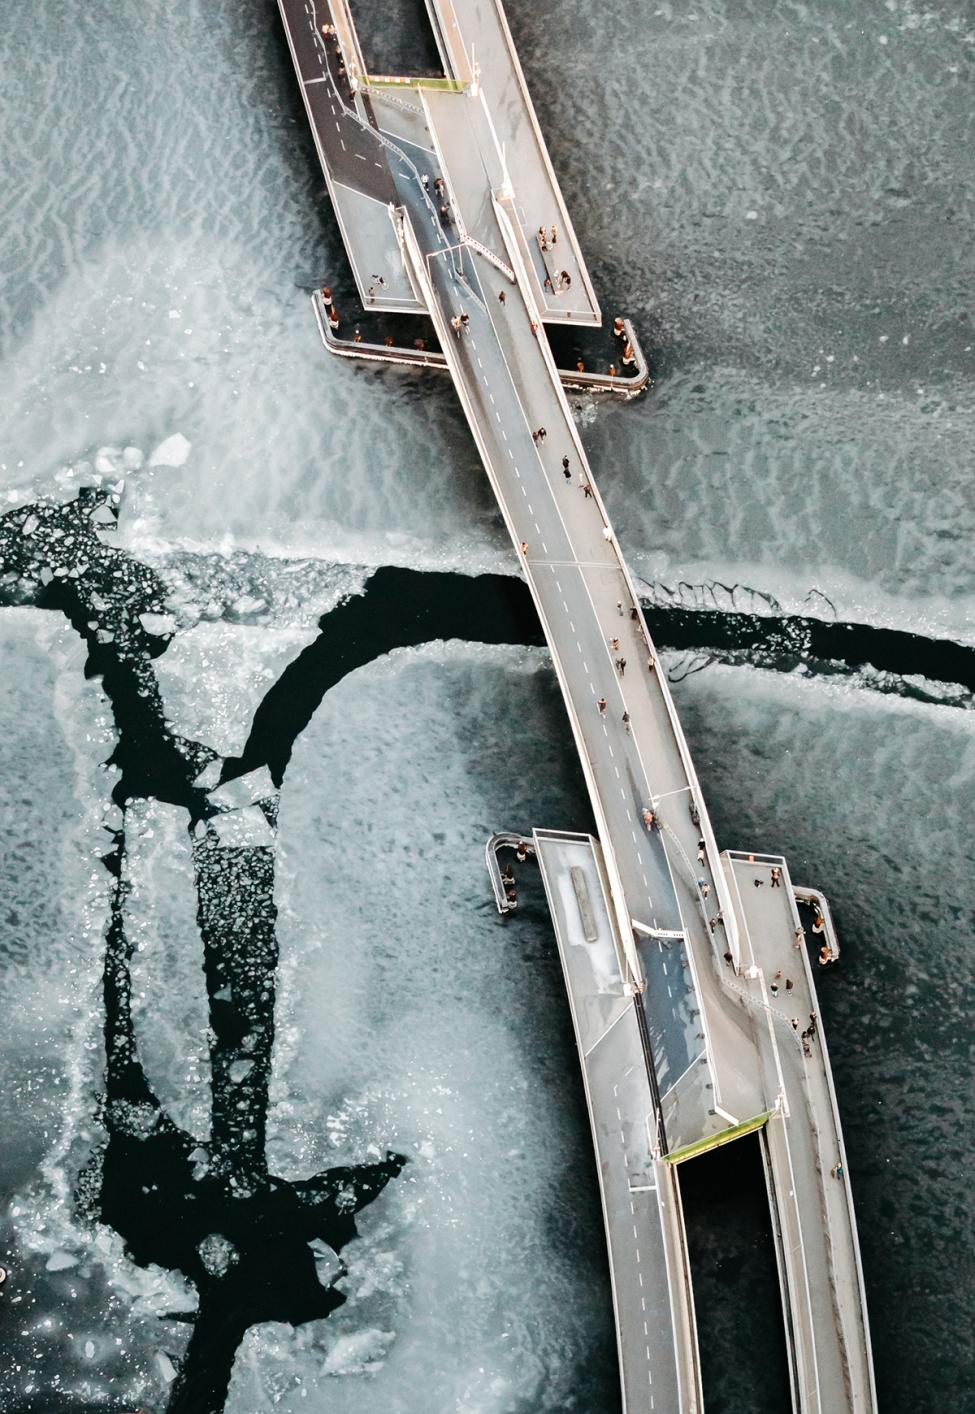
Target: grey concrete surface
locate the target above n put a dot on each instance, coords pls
(354, 165)
(818, 1253)
(717, 1052)
(641, 1201)
(484, 30)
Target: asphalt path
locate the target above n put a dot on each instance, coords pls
(578, 584)
(571, 560)
(651, 1285)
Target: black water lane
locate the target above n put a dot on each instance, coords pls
(736, 1285)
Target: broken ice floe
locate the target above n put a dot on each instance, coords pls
(174, 451)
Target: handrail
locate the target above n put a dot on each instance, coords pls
(432, 358)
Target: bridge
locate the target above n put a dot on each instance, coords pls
(449, 206)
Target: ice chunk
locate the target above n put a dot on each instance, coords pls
(158, 623)
(174, 451)
(218, 1254)
(242, 827)
(358, 1352)
(166, 1367)
(108, 461)
(60, 1261)
(210, 775)
(244, 790)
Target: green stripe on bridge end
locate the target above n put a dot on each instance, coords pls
(714, 1141)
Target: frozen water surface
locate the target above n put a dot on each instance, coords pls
(791, 246)
(413, 1018)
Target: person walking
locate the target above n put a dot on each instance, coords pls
(503, 298)
(621, 666)
(587, 490)
(555, 236)
(601, 706)
(565, 469)
(648, 817)
(619, 607)
(776, 873)
(614, 643)
(626, 722)
(700, 852)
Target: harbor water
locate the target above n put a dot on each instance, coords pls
(309, 579)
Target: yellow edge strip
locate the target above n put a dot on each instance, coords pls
(714, 1141)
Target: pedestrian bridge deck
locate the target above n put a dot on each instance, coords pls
(712, 1051)
(640, 1196)
(818, 1250)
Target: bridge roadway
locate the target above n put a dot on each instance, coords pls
(510, 389)
(655, 1328)
(673, 908)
